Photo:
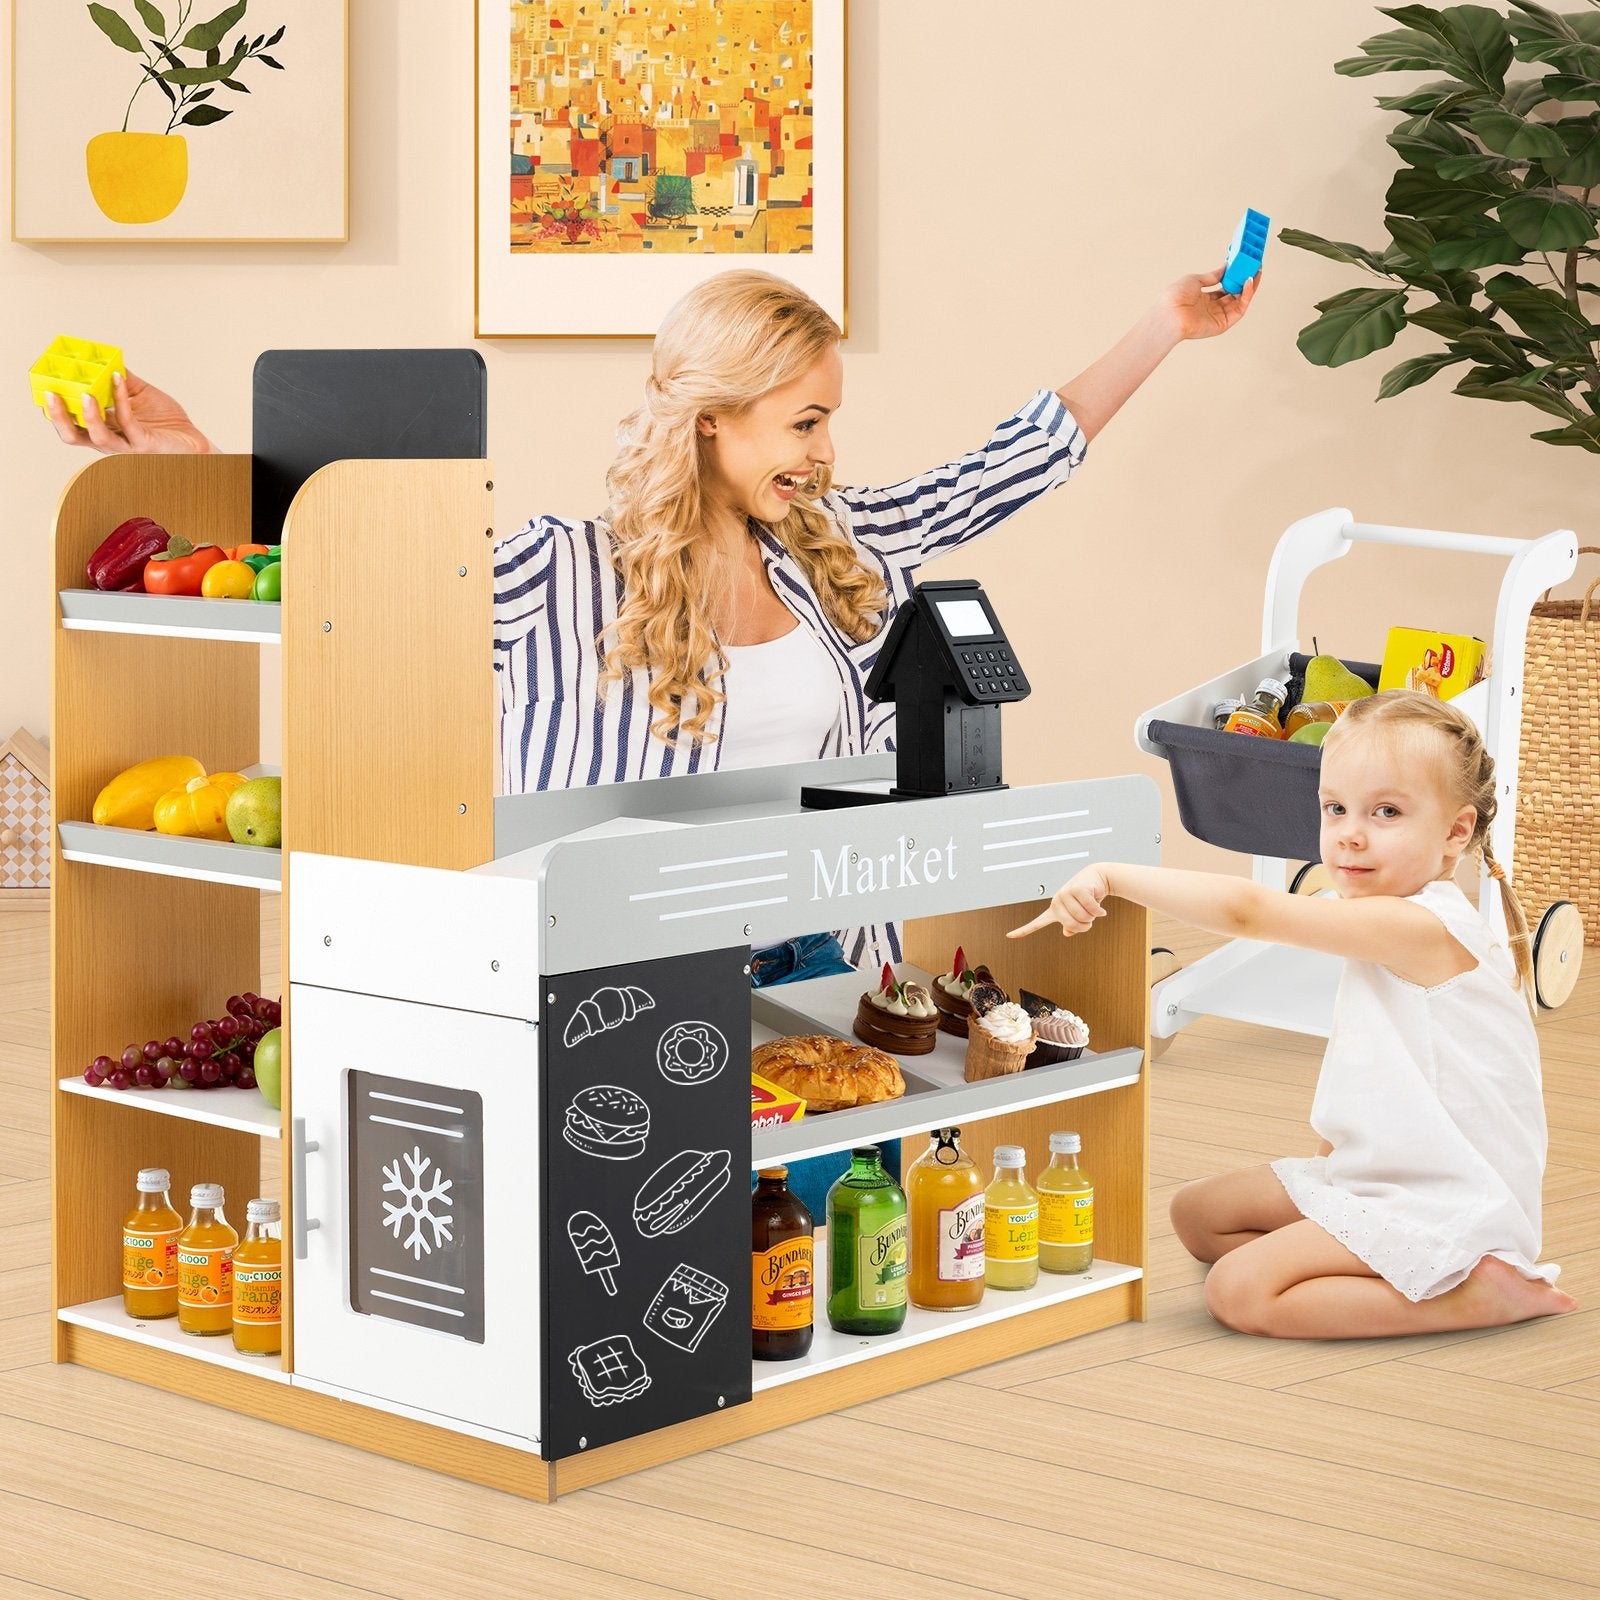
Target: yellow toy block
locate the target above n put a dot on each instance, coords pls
(73, 368)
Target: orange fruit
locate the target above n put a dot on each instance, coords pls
(208, 1294)
(154, 1275)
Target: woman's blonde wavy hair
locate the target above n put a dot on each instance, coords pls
(1468, 772)
(726, 343)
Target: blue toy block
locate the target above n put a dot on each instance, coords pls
(1245, 252)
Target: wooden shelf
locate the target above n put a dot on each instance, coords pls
(172, 616)
(937, 1093)
(209, 860)
(107, 1316)
(243, 1110)
(830, 1351)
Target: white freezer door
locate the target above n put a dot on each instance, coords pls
(420, 1274)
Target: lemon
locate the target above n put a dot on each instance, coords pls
(255, 812)
(227, 580)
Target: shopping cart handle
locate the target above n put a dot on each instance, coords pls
(1433, 539)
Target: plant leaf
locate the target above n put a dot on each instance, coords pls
(151, 18)
(277, 66)
(1543, 314)
(202, 115)
(233, 83)
(1425, 142)
(1512, 136)
(1465, 166)
(1581, 135)
(1571, 86)
(197, 96)
(1415, 193)
(1546, 219)
(1532, 394)
(1402, 50)
(1417, 370)
(1353, 325)
(1487, 244)
(193, 75)
(1442, 94)
(277, 36)
(1451, 321)
(1414, 237)
(1472, 41)
(116, 29)
(208, 35)
(1351, 254)
(1521, 98)
(1584, 434)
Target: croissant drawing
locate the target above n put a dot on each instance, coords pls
(606, 1008)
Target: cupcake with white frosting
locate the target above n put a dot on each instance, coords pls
(999, 1042)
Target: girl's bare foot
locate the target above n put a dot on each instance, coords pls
(1502, 1295)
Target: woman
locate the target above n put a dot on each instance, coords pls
(726, 608)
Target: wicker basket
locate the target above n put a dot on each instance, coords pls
(1558, 783)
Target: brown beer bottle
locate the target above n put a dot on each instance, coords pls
(780, 1270)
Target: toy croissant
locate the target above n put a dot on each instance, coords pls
(604, 1009)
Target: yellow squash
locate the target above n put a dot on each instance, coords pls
(198, 809)
(129, 800)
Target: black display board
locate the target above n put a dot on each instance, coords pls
(310, 407)
(645, 1104)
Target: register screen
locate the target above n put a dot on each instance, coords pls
(964, 619)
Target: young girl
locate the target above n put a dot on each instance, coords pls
(1420, 1214)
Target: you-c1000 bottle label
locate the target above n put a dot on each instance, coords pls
(258, 1294)
(781, 1286)
(150, 1260)
(882, 1265)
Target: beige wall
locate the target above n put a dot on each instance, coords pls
(1074, 159)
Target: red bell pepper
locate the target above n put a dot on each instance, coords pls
(182, 566)
(119, 561)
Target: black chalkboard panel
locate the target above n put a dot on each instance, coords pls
(645, 1158)
(310, 407)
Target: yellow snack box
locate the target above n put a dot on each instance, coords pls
(73, 368)
(1440, 664)
(770, 1105)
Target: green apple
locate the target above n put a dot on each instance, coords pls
(268, 1063)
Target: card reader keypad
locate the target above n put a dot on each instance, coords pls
(991, 671)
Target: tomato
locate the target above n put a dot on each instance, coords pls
(227, 580)
(269, 583)
(181, 572)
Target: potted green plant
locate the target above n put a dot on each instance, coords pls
(1492, 229)
(141, 177)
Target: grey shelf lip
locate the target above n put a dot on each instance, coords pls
(945, 1107)
(172, 616)
(210, 860)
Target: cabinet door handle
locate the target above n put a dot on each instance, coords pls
(303, 1224)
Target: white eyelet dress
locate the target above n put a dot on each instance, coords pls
(1432, 1101)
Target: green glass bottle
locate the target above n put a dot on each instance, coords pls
(868, 1257)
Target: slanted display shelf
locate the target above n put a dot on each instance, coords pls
(937, 1093)
(172, 616)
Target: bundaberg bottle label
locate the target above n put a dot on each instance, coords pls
(882, 1261)
(781, 1286)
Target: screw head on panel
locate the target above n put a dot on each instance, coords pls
(327, 938)
(551, 919)
(722, 1400)
(327, 627)
(1158, 838)
(494, 966)
(747, 930)
(462, 808)
(461, 572)
(549, 999)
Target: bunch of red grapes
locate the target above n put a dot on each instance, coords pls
(215, 1054)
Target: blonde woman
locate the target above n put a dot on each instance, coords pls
(1420, 1211)
(726, 608)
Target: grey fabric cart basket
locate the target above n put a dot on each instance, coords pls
(1258, 796)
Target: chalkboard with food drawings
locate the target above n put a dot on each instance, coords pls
(645, 1094)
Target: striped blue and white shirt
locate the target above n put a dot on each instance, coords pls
(556, 590)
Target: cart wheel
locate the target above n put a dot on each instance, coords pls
(1312, 878)
(1163, 963)
(1557, 954)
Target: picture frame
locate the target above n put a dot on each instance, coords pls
(613, 175)
(192, 121)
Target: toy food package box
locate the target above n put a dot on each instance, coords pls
(1440, 664)
(770, 1105)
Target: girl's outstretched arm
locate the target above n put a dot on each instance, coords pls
(1404, 937)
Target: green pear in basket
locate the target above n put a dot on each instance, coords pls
(1328, 678)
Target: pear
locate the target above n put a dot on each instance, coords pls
(1312, 733)
(1328, 678)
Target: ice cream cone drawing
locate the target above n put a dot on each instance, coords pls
(142, 177)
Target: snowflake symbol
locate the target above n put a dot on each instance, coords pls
(418, 1204)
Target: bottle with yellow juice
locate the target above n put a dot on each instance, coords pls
(258, 1282)
(1066, 1209)
(205, 1264)
(150, 1249)
(1010, 1223)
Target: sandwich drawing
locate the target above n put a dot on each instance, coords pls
(605, 1009)
(609, 1371)
(608, 1121)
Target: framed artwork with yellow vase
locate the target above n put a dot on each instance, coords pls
(192, 120)
(628, 149)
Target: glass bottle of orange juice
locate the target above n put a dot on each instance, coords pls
(1010, 1223)
(945, 1192)
(258, 1282)
(205, 1264)
(150, 1249)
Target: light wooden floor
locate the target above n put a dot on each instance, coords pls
(1166, 1460)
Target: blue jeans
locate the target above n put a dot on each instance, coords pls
(813, 955)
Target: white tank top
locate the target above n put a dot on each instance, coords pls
(783, 702)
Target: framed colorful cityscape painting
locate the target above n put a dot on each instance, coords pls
(198, 120)
(628, 149)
